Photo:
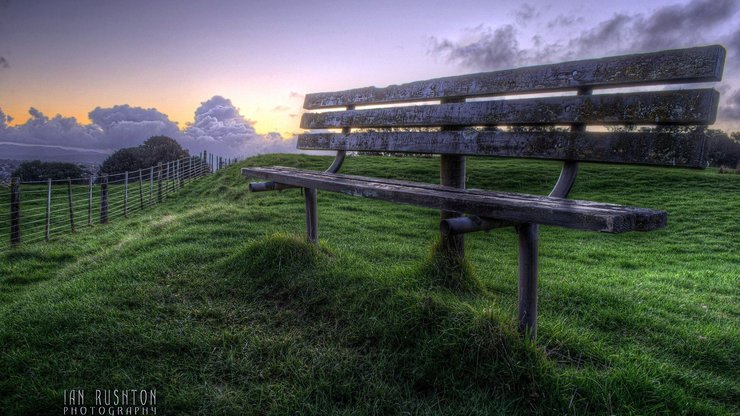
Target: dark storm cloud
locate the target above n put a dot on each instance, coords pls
(668, 27)
(495, 48)
(691, 23)
(564, 21)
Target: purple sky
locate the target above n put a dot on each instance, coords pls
(230, 72)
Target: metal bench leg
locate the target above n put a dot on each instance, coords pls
(528, 238)
(312, 218)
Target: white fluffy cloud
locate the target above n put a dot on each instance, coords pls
(218, 127)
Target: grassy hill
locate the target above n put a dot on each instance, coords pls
(214, 299)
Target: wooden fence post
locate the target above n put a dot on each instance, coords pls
(159, 182)
(166, 177)
(48, 209)
(104, 199)
(125, 194)
(71, 206)
(170, 175)
(15, 211)
(151, 184)
(89, 201)
(141, 192)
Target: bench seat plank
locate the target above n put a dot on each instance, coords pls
(679, 107)
(506, 206)
(649, 148)
(701, 64)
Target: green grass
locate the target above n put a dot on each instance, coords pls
(214, 299)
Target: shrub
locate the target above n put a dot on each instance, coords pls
(156, 149)
(39, 171)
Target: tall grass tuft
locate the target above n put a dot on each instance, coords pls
(454, 273)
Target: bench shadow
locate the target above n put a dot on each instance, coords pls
(434, 345)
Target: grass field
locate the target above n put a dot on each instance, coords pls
(213, 299)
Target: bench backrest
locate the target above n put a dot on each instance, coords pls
(468, 116)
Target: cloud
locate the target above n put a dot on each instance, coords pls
(733, 43)
(294, 94)
(125, 126)
(667, 27)
(493, 48)
(731, 108)
(281, 108)
(565, 21)
(218, 127)
(691, 23)
(525, 14)
(4, 119)
(3, 62)
(58, 130)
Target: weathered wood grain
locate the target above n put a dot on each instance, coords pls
(648, 148)
(682, 107)
(702, 64)
(583, 215)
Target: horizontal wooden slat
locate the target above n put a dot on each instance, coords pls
(682, 107)
(583, 215)
(702, 64)
(649, 148)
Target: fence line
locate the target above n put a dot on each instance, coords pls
(40, 210)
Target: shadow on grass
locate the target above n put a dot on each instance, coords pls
(423, 342)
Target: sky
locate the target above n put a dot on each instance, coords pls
(229, 76)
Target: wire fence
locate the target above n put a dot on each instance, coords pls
(42, 210)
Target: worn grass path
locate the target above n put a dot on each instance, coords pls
(213, 299)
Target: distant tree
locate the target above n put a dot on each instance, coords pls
(161, 149)
(40, 171)
(723, 150)
(122, 160)
(156, 149)
(720, 148)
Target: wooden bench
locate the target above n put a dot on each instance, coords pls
(450, 124)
